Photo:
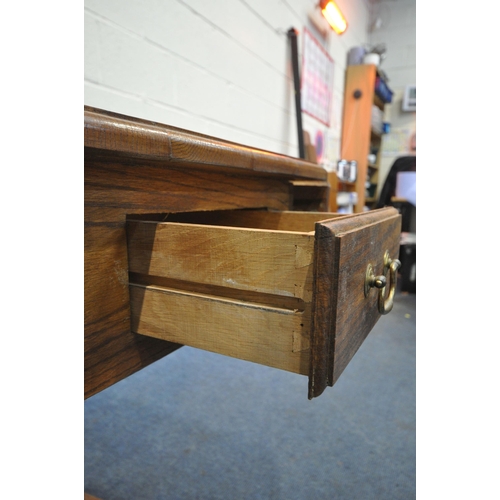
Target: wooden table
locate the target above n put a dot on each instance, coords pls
(150, 188)
(135, 167)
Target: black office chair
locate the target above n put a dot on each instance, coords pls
(408, 248)
(388, 191)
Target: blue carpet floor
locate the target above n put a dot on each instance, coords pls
(197, 425)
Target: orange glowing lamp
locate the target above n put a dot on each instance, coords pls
(333, 15)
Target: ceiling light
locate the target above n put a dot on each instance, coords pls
(333, 15)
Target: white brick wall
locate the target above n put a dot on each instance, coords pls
(219, 67)
(398, 32)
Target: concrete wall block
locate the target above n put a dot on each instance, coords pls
(110, 100)
(253, 114)
(400, 77)
(249, 129)
(395, 57)
(201, 93)
(133, 65)
(411, 56)
(401, 13)
(167, 24)
(394, 37)
(92, 50)
(148, 18)
(175, 117)
(246, 138)
(279, 14)
(240, 22)
(232, 63)
(339, 57)
(181, 33)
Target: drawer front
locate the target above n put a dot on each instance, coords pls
(285, 290)
(342, 313)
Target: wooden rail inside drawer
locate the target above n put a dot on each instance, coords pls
(240, 283)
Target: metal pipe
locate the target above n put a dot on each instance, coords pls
(292, 35)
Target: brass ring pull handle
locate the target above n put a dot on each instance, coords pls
(371, 281)
(385, 304)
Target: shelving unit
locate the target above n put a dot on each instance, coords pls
(336, 186)
(373, 168)
(358, 138)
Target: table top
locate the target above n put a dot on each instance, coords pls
(117, 133)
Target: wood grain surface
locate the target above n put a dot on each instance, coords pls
(136, 137)
(240, 291)
(342, 316)
(356, 119)
(270, 336)
(135, 167)
(263, 287)
(269, 262)
(297, 221)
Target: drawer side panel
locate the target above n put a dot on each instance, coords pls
(269, 336)
(269, 262)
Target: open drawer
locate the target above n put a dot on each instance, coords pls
(298, 291)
